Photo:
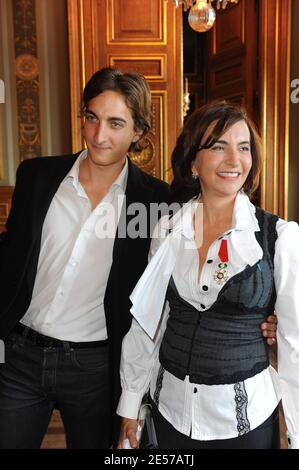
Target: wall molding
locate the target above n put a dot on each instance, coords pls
(27, 78)
(275, 54)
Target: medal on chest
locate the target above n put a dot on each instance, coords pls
(221, 275)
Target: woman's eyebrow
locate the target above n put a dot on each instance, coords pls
(220, 141)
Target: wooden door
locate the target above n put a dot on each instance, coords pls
(232, 63)
(232, 56)
(133, 35)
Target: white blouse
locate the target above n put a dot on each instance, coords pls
(207, 412)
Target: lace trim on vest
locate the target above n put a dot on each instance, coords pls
(241, 400)
(158, 389)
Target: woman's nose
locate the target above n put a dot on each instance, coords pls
(232, 156)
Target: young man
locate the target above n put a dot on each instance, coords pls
(64, 288)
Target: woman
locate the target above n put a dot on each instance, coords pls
(207, 365)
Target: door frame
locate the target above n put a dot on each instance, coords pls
(275, 78)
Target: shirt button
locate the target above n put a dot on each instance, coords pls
(195, 390)
(210, 261)
(202, 306)
(205, 288)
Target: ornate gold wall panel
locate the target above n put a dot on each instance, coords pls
(27, 78)
(139, 22)
(151, 158)
(5, 204)
(152, 67)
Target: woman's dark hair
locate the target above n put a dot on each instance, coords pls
(223, 115)
(135, 91)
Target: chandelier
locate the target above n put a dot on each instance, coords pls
(202, 14)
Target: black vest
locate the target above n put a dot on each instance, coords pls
(224, 344)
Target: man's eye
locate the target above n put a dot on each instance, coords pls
(91, 118)
(116, 124)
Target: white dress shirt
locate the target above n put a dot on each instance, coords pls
(207, 412)
(75, 261)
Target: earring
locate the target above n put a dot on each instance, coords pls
(194, 177)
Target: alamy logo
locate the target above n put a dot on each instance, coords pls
(140, 221)
(2, 352)
(2, 92)
(295, 92)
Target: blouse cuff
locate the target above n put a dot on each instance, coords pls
(129, 404)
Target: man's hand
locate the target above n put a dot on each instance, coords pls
(128, 430)
(269, 329)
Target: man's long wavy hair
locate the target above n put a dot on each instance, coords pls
(190, 141)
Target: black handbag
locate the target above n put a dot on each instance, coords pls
(148, 438)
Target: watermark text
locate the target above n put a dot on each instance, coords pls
(295, 92)
(157, 220)
(2, 92)
(2, 352)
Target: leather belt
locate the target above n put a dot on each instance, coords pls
(48, 342)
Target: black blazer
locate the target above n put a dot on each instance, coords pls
(37, 182)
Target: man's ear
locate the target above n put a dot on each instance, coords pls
(138, 135)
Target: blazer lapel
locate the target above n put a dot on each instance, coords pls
(48, 182)
(137, 191)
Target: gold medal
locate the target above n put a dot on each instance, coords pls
(221, 275)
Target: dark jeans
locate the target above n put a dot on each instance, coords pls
(265, 436)
(35, 380)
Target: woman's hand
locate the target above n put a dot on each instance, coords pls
(269, 329)
(128, 430)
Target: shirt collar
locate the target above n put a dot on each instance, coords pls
(244, 214)
(121, 180)
(243, 219)
(73, 174)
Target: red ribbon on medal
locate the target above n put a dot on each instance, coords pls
(223, 252)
